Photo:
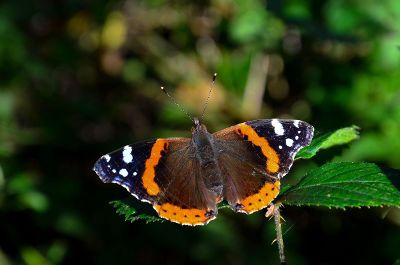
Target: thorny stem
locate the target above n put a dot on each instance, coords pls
(279, 238)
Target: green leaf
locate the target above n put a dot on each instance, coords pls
(346, 184)
(130, 213)
(325, 141)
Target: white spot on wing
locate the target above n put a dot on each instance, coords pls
(280, 147)
(296, 123)
(278, 128)
(127, 154)
(296, 138)
(114, 171)
(298, 132)
(135, 173)
(123, 172)
(289, 142)
(107, 157)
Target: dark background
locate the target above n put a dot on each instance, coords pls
(79, 79)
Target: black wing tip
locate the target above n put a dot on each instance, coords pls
(308, 128)
(310, 133)
(100, 168)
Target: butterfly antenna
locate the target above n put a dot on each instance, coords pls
(177, 104)
(208, 97)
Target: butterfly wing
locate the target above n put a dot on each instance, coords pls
(162, 172)
(255, 155)
(126, 167)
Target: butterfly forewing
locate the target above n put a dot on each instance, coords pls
(125, 167)
(254, 155)
(286, 138)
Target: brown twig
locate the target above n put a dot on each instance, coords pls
(278, 229)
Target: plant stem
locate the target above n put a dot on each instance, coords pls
(279, 238)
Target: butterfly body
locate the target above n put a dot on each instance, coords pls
(185, 178)
(205, 150)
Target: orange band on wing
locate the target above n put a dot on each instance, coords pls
(272, 157)
(261, 199)
(184, 216)
(149, 173)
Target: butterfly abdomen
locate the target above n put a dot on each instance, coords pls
(206, 154)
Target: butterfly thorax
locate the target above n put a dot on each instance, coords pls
(203, 143)
(206, 154)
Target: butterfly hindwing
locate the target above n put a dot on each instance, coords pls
(184, 196)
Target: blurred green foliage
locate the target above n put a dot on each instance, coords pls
(80, 78)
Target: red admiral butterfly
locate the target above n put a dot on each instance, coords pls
(185, 178)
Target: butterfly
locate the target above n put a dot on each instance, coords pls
(184, 179)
